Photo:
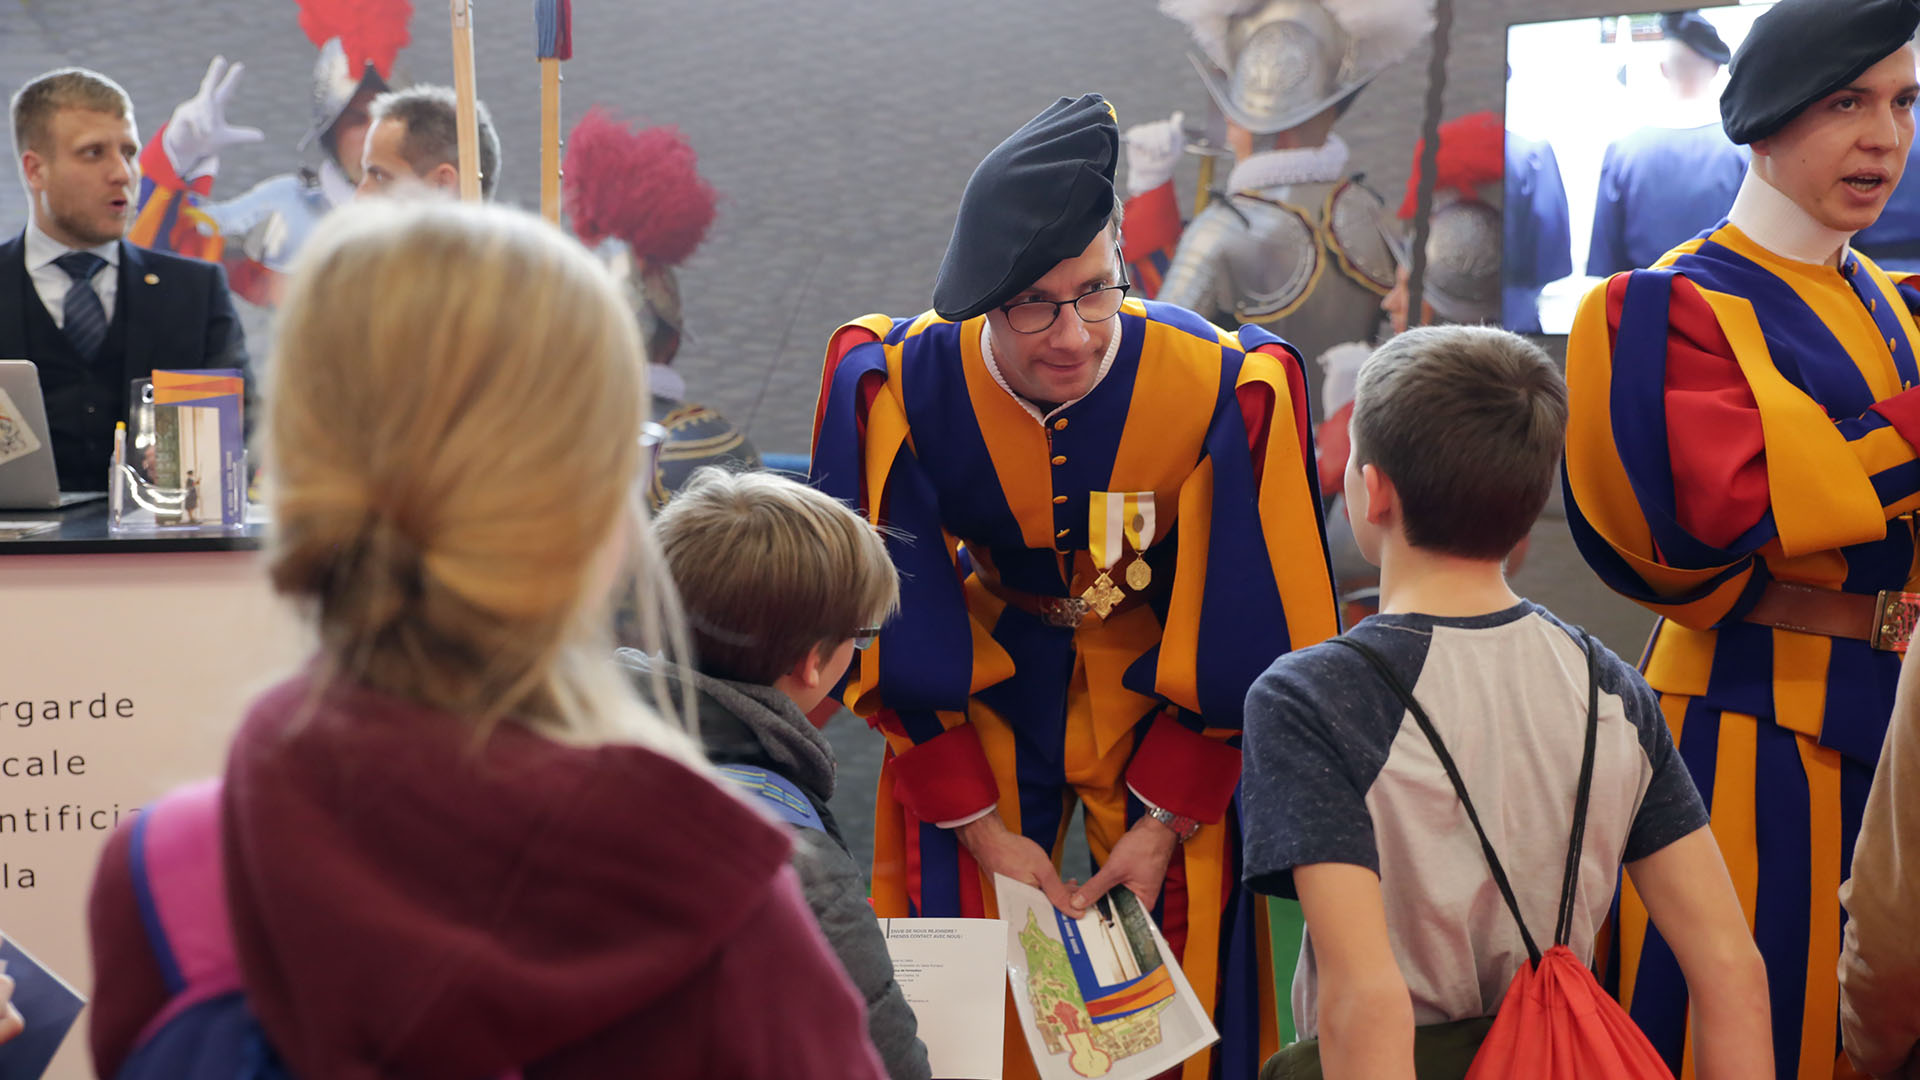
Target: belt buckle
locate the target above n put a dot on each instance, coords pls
(1895, 615)
(1065, 612)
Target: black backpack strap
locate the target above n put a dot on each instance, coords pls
(1570, 880)
(1459, 786)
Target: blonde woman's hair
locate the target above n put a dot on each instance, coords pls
(452, 449)
(769, 570)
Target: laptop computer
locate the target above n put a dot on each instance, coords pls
(27, 477)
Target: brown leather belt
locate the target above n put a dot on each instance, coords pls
(1883, 620)
(1066, 612)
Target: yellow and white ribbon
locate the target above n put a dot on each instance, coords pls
(1117, 519)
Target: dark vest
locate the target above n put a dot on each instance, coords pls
(84, 398)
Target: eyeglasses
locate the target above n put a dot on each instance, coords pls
(1036, 316)
(864, 637)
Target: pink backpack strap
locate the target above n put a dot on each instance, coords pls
(179, 882)
(180, 886)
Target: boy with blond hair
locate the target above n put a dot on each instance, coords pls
(1456, 436)
(781, 584)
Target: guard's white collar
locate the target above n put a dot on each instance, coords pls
(1775, 222)
(335, 184)
(1321, 164)
(664, 382)
(1106, 364)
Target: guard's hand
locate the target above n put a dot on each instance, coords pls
(1000, 850)
(1153, 152)
(199, 130)
(1139, 861)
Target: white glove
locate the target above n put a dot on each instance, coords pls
(1341, 367)
(199, 129)
(266, 241)
(1153, 153)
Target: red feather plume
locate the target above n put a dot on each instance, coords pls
(643, 187)
(1473, 152)
(370, 31)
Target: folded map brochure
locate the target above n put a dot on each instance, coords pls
(200, 445)
(1101, 995)
(48, 1004)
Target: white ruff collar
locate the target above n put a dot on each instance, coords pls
(335, 184)
(1776, 222)
(1106, 362)
(664, 382)
(1276, 168)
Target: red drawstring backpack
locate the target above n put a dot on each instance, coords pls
(1555, 1022)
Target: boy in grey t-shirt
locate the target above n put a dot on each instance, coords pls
(1456, 434)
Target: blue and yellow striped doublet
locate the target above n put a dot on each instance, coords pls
(1737, 419)
(985, 702)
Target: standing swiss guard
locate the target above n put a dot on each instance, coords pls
(1741, 459)
(1106, 524)
(1293, 242)
(1667, 182)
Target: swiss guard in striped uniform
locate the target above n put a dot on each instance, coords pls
(1105, 519)
(1741, 459)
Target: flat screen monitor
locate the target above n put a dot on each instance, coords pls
(1615, 153)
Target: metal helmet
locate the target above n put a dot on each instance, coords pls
(1279, 63)
(1463, 263)
(662, 323)
(653, 292)
(335, 84)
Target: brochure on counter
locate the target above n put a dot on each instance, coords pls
(200, 443)
(49, 1005)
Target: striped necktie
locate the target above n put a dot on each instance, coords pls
(86, 317)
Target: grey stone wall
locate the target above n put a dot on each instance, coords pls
(838, 132)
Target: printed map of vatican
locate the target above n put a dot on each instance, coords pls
(1060, 1013)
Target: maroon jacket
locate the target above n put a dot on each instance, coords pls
(407, 904)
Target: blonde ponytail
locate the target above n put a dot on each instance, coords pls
(452, 450)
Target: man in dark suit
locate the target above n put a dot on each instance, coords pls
(92, 311)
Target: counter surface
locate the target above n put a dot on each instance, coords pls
(83, 531)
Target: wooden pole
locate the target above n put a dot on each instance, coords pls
(550, 139)
(467, 118)
(1429, 162)
(552, 43)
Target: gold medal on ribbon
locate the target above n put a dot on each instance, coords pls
(1139, 534)
(1104, 540)
(1103, 595)
(1139, 575)
(1115, 520)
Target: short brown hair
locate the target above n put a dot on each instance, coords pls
(1468, 422)
(431, 116)
(63, 88)
(770, 569)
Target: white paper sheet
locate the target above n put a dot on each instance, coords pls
(952, 972)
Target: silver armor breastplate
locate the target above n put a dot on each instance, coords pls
(1307, 261)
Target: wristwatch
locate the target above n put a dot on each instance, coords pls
(1183, 827)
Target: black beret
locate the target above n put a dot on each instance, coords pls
(1803, 50)
(1696, 33)
(1037, 200)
